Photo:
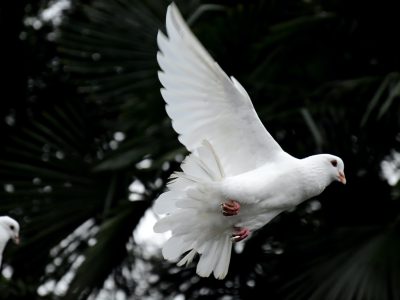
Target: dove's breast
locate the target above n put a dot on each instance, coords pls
(275, 186)
(265, 192)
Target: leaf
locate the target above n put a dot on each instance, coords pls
(120, 52)
(46, 163)
(347, 264)
(393, 94)
(377, 96)
(319, 141)
(108, 252)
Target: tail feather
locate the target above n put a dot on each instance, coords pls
(221, 269)
(178, 182)
(174, 248)
(189, 203)
(193, 216)
(173, 220)
(215, 258)
(166, 202)
(188, 258)
(208, 259)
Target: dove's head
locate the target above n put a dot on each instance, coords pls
(335, 167)
(326, 168)
(9, 229)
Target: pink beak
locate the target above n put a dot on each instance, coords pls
(342, 178)
(16, 240)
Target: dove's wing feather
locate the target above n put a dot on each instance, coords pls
(205, 104)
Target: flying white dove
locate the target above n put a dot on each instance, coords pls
(9, 229)
(237, 178)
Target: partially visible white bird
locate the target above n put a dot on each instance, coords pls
(237, 177)
(9, 229)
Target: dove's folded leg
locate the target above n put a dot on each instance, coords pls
(230, 208)
(240, 233)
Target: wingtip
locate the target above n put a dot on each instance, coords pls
(172, 5)
(162, 78)
(163, 90)
(169, 10)
(159, 59)
(159, 32)
(161, 39)
(173, 8)
(174, 18)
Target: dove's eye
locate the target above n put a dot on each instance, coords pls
(334, 163)
(12, 227)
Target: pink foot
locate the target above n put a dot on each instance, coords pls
(240, 234)
(230, 208)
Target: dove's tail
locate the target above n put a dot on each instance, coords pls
(193, 215)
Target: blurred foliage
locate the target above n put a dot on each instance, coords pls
(81, 112)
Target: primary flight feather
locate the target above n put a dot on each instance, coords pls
(236, 178)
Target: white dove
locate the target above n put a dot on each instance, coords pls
(9, 229)
(237, 178)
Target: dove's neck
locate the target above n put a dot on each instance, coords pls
(4, 237)
(316, 175)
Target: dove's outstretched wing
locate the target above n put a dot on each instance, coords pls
(205, 104)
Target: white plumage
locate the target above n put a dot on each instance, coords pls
(9, 229)
(233, 157)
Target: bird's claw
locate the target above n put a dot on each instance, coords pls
(230, 208)
(240, 234)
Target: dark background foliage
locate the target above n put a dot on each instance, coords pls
(81, 118)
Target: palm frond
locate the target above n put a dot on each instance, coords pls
(109, 250)
(47, 168)
(348, 264)
(110, 47)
